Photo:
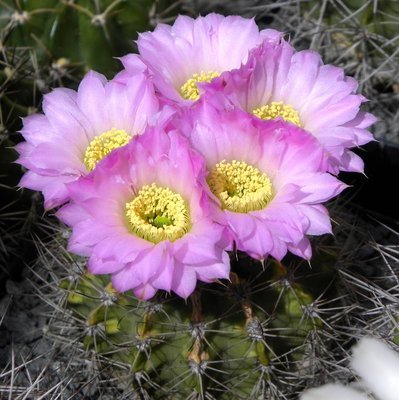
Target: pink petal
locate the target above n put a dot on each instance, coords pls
(318, 217)
(302, 249)
(90, 99)
(184, 280)
(145, 291)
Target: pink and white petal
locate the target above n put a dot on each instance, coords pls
(97, 265)
(183, 26)
(184, 280)
(362, 136)
(123, 247)
(351, 162)
(130, 105)
(55, 194)
(279, 249)
(319, 187)
(133, 64)
(289, 193)
(177, 58)
(283, 231)
(337, 136)
(145, 291)
(271, 36)
(24, 149)
(143, 104)
(285, 221)
(164, 278)
(343, 136)
(202, 139)
(236, 37)
(90, 99)
(231, 127)
(86, 235)
(66, 119)
(330, 87)
(122, 77)
(319, 219)
(301, 77)
(215, 271)
(260, 244)
(191, 250)
(254, 83)
(302, 249)
(54, 190)
(72, 213)
(262, 78)
(362, 121)
(334, 114)
(283, 147)
(37, 129)
(56, 158)
(109, 212)
(127, 278)
(151, 262)
(242, 226)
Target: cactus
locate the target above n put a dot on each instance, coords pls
(85, 32)
(270, 331)
(220, 342)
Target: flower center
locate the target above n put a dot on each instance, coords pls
(190, 90)
(102, 145)
(158, 214)
(278, 109)
(240, 187)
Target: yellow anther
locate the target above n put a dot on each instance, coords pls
(190, 91)
(102, 145)
(240, 187)
(158, 214)
(278, 109)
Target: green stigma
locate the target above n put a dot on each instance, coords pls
(157, 214)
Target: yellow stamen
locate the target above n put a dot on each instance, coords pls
(102, 145)
(240, 187)
(190, 90)
(158, 214)
(278, 109)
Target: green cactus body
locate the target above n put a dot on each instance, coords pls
(85, 32)
(221, 343)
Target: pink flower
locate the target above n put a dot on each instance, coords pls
(143, 215)
(265, 176)
(195, 50)
(278, 82)
(79, 128)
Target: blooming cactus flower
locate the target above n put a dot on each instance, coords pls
(196, 50)
(143, 215)
(266, 177)
(79, 128)
(376, 364)
(278, 82)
